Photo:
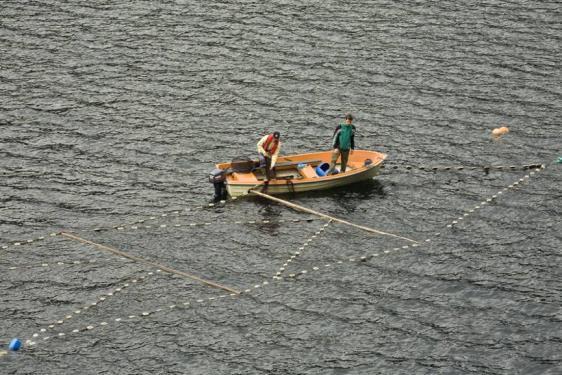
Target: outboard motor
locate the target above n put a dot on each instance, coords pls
(218, 177)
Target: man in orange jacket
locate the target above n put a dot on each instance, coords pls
(268, 150)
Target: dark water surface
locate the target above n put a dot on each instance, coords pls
(112, 113)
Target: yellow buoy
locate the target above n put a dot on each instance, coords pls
(498, 132)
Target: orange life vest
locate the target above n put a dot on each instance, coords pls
(270, 144)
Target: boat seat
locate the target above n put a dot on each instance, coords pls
(243, 177)
(308, 172)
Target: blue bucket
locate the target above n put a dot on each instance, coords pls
(322, 169)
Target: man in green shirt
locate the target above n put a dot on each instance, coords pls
(343, 142)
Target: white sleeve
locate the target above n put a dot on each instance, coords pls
(260, 145)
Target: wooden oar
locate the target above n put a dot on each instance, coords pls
(152, 264)
(327, 217)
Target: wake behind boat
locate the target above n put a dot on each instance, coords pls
(297, 173)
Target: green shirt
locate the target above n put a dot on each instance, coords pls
(346, 131)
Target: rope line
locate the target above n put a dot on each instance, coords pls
(149, 263)
(99, 229)
(163, 215)
(328, 217)
(60, 263)
(300, 250)
(495, 196)
(135, 226)
(27, 242)
(100, 299)
(485, 168)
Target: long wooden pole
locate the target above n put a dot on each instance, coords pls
(327, 217)
(150, 263)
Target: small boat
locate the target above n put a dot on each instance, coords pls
(301, 172)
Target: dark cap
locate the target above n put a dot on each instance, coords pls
(276, 135)
(348, 116)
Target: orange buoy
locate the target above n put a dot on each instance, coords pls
(498, 132)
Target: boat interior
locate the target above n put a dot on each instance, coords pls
(291, 171)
